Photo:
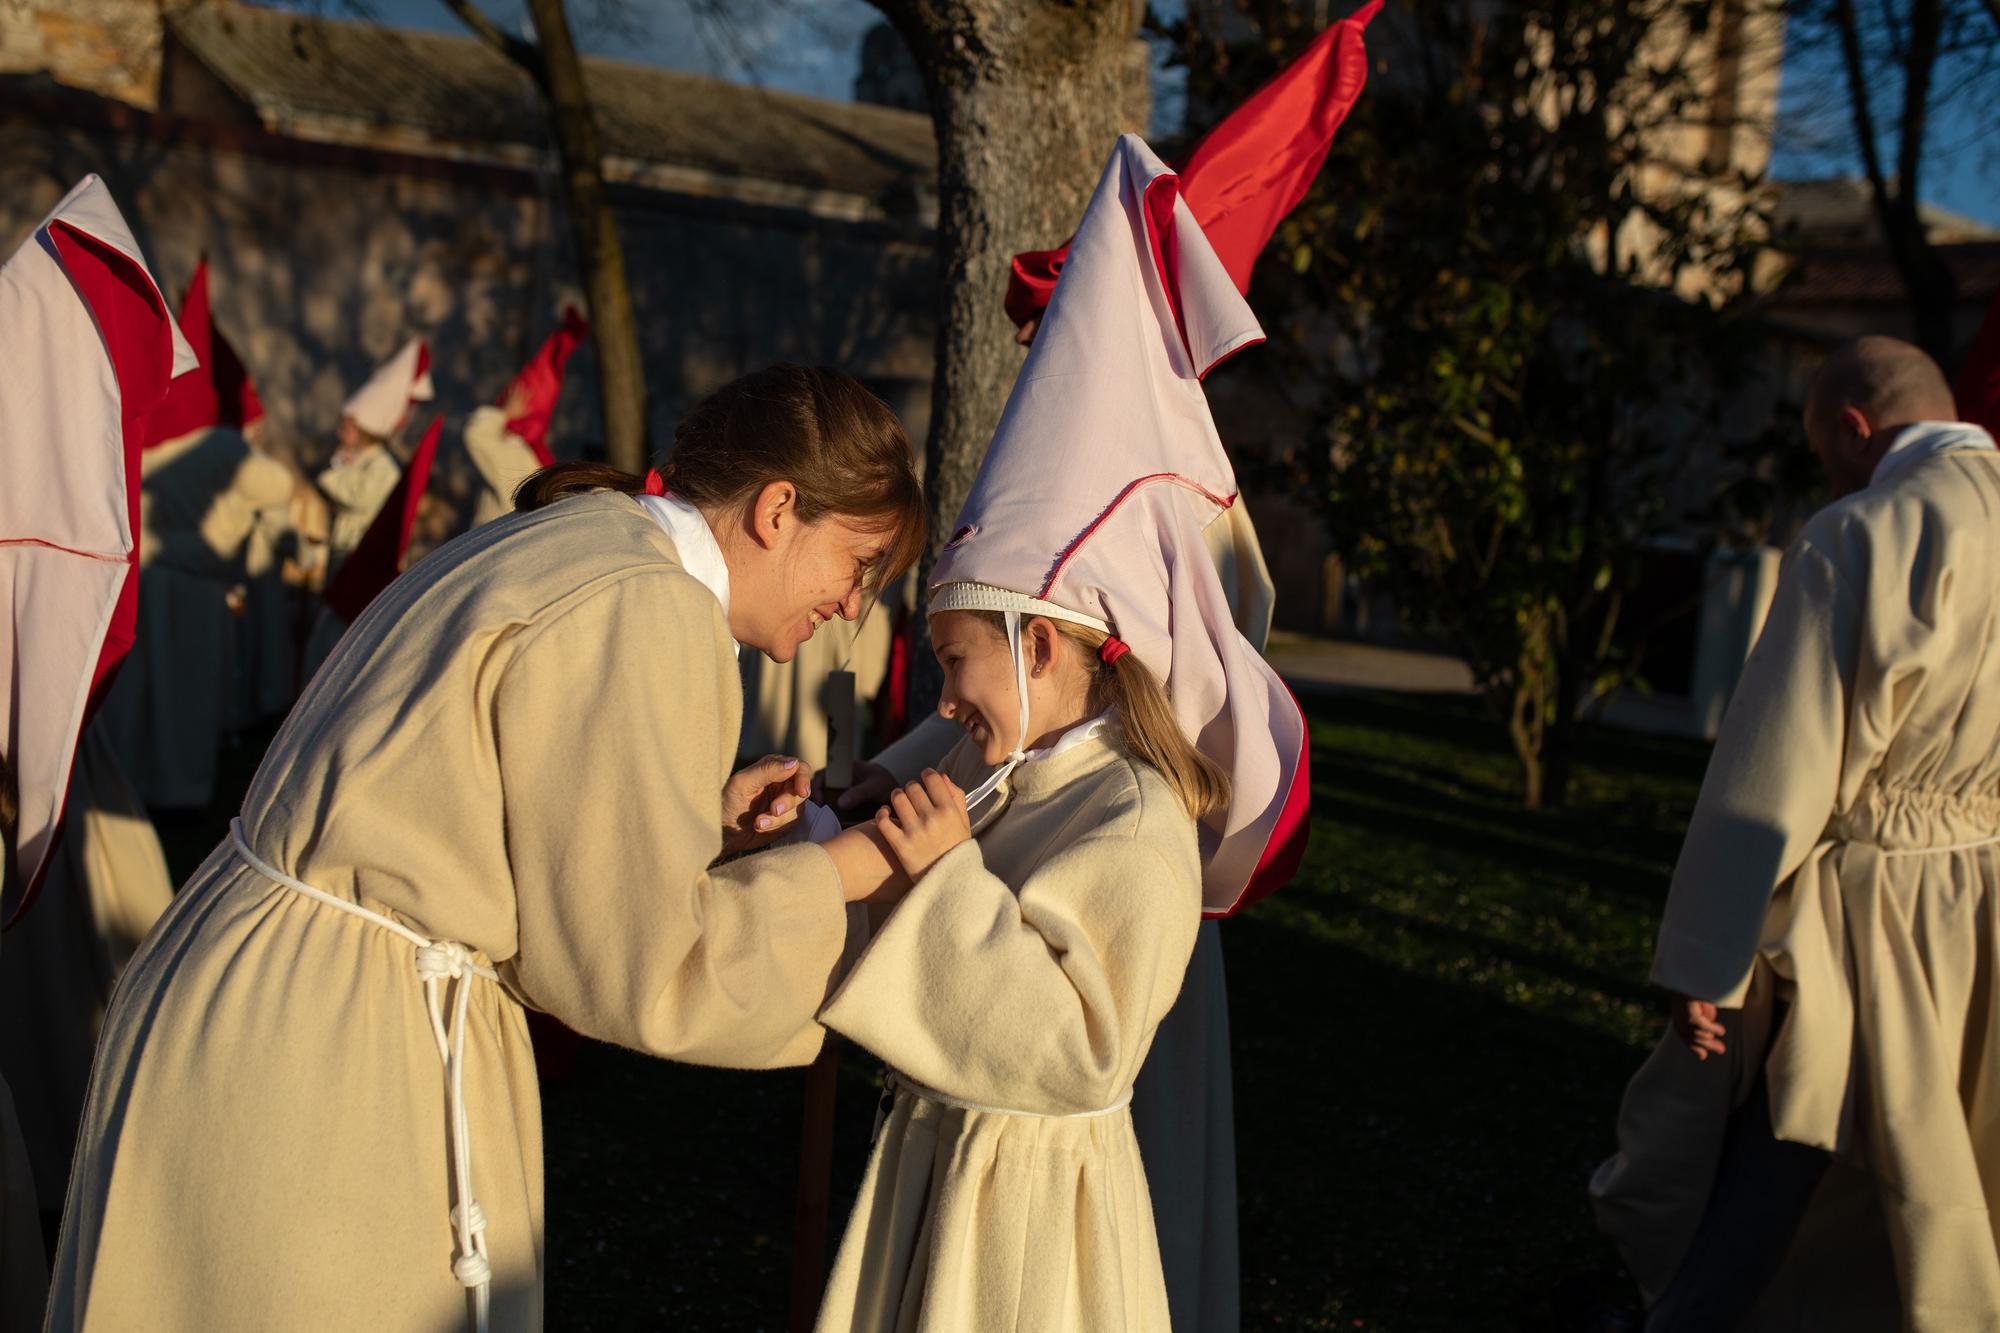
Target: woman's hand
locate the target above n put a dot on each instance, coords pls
(761, 801)
(1697, 1023)
(923, 821)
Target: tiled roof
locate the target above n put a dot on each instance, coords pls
(303, 74)
(1864, 275)
(1838, 210)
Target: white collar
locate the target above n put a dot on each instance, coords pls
(1925, 439)
(701, 554)
(1088, 729)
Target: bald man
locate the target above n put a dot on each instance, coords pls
(1816, 1142)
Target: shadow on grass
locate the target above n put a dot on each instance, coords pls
(1412, 1155)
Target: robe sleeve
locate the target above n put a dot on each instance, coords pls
(1771, 785)
(503, 458)
(923, 746)
(361, 485)
(1045, 1002)
(613, 738)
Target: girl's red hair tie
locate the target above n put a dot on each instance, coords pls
(1113, 649)
(655, 483)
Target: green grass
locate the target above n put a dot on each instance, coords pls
(1432, 1028)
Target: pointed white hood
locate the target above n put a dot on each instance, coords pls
(1104, 471)
(91, 349)
(382, 404)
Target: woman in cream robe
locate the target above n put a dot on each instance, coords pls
(198, 501)
(1844, 858)
(1026, 972)
(518, 747)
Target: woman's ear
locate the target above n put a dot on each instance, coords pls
(774, 510)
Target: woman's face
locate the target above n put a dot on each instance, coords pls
(979, 688)
(788, 577)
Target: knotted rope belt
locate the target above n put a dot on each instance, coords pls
(437, 961)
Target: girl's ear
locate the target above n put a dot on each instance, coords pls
(1042, 635)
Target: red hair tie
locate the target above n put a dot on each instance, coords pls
(655, 483)
(1113, 649)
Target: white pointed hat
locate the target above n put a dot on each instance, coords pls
(1092, 498)
(91, 349)
(382, 404)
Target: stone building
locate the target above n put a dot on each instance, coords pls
(353, 185)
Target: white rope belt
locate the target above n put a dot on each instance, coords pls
(897, 1079)
(437, 961)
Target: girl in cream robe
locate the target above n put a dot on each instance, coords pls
(518, 747)
(1016, 991)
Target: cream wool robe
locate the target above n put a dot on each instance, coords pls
(355, 490)
(1842, 855)
(1027, 970)
(504, 461)
(264, 1146)
(1183, 1104)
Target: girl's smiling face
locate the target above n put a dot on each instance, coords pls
(979, 690)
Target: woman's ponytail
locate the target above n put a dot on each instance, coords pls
(557, 480)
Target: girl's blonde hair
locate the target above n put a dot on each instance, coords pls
(1152, 732)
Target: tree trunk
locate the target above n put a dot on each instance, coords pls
(621, 376)
(1027, 97)
(1931, 287)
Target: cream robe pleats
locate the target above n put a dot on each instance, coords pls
(520, 746)
(1020, 984)
(1843, 849)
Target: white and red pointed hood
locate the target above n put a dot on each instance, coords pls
(1097, 485)
(382, 405)
(91, 349)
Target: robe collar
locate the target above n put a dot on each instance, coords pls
(1926, 439)
(700, 553)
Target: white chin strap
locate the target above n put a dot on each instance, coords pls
(1020, 752)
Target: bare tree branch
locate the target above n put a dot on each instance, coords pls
(524, 54)
(1849, 29)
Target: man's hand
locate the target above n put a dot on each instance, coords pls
(1696, 1024)
(759, 802)
(871, 787)
(923, 821)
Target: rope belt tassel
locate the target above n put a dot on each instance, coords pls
(439, 963)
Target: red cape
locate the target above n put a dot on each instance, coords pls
(542, 379)
(1978, 389)
(1249, 171)
(375, 563)
(220, 393)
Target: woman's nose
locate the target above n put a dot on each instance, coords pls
(851, 608)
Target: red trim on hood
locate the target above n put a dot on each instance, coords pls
(1069, 552)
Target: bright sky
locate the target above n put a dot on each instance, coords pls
(812, 46)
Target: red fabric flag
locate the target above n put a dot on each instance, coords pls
(378, 558)
(1978, 389)
(220, 393)
(1250, 170)
(540, 381)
